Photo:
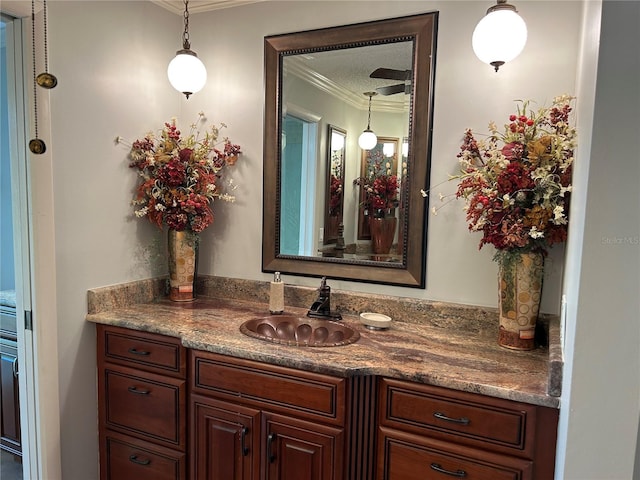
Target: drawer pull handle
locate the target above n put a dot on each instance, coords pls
(457, 473)
(139, 391)
(135, 459)
(14, 367)
(459, 421)
(270, 439)
(135, 351)
(243, 436)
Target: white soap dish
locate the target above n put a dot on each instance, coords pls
(375, 321)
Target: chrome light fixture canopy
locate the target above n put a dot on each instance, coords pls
(186, 72)
(500, 36)
(367, 139)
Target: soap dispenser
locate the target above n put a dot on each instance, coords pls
(276, 295)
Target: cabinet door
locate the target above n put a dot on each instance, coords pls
(403, 456)
(298, 450)
(225, 439)
(10, 410)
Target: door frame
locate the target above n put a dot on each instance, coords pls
(32, 191)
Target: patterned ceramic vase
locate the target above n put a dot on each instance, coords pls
(520, 289)
(183, 253)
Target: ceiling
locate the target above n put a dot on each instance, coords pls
(195, 6)
(22, 8)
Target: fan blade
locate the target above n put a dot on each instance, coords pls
(393, 89)
(391, 74)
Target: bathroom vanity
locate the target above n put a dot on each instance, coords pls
(184, 394)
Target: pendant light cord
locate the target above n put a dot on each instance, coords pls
(185, 35)
(35, 83)
(369, 118)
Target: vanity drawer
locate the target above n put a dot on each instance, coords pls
(142, 404)
(465, 418)
(148, 351)
(404, 456)
(128, 457)
(279, 389)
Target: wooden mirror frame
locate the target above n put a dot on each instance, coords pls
(421, 30)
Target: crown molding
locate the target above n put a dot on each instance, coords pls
(198, 6)
(299, 69)
(19, 8)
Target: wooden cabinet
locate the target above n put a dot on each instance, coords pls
(10, 439)
(9, 396)
(283, 422)
(142, 401)
(170, 413)
(433, 432)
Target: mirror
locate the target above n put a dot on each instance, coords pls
(379, 164)
(334, 194)
(318, 85)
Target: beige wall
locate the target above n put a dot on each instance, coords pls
(113, 82)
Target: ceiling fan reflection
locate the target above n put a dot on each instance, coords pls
(393, 74)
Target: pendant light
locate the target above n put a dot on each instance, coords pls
(186, 72)
(368, 139)
(500, 36)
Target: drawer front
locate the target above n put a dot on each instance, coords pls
(144, 405)
(407, 457)
(152, 352)
(310, 395)
(129, 458)
(457, 416)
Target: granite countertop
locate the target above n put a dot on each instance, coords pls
(425, 353)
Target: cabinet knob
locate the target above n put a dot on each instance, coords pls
(139, 391)
(243, 436)
(459, 421)
(270, 439)
(143, 461)
(458, 473)
(135, 351)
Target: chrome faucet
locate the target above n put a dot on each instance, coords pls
(321, 308)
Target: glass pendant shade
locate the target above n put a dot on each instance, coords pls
(186, 72)
(499, 37)
(367, 140)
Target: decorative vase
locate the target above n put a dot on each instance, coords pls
(183, 255)
(382, 229)
(520, 289)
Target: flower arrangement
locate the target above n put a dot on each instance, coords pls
(516, 184)
(335, 196)
(180, 175)
(380, 186)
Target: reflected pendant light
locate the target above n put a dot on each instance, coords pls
(186, 72)
(337, 142)
(367, 139)
(500, 36)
